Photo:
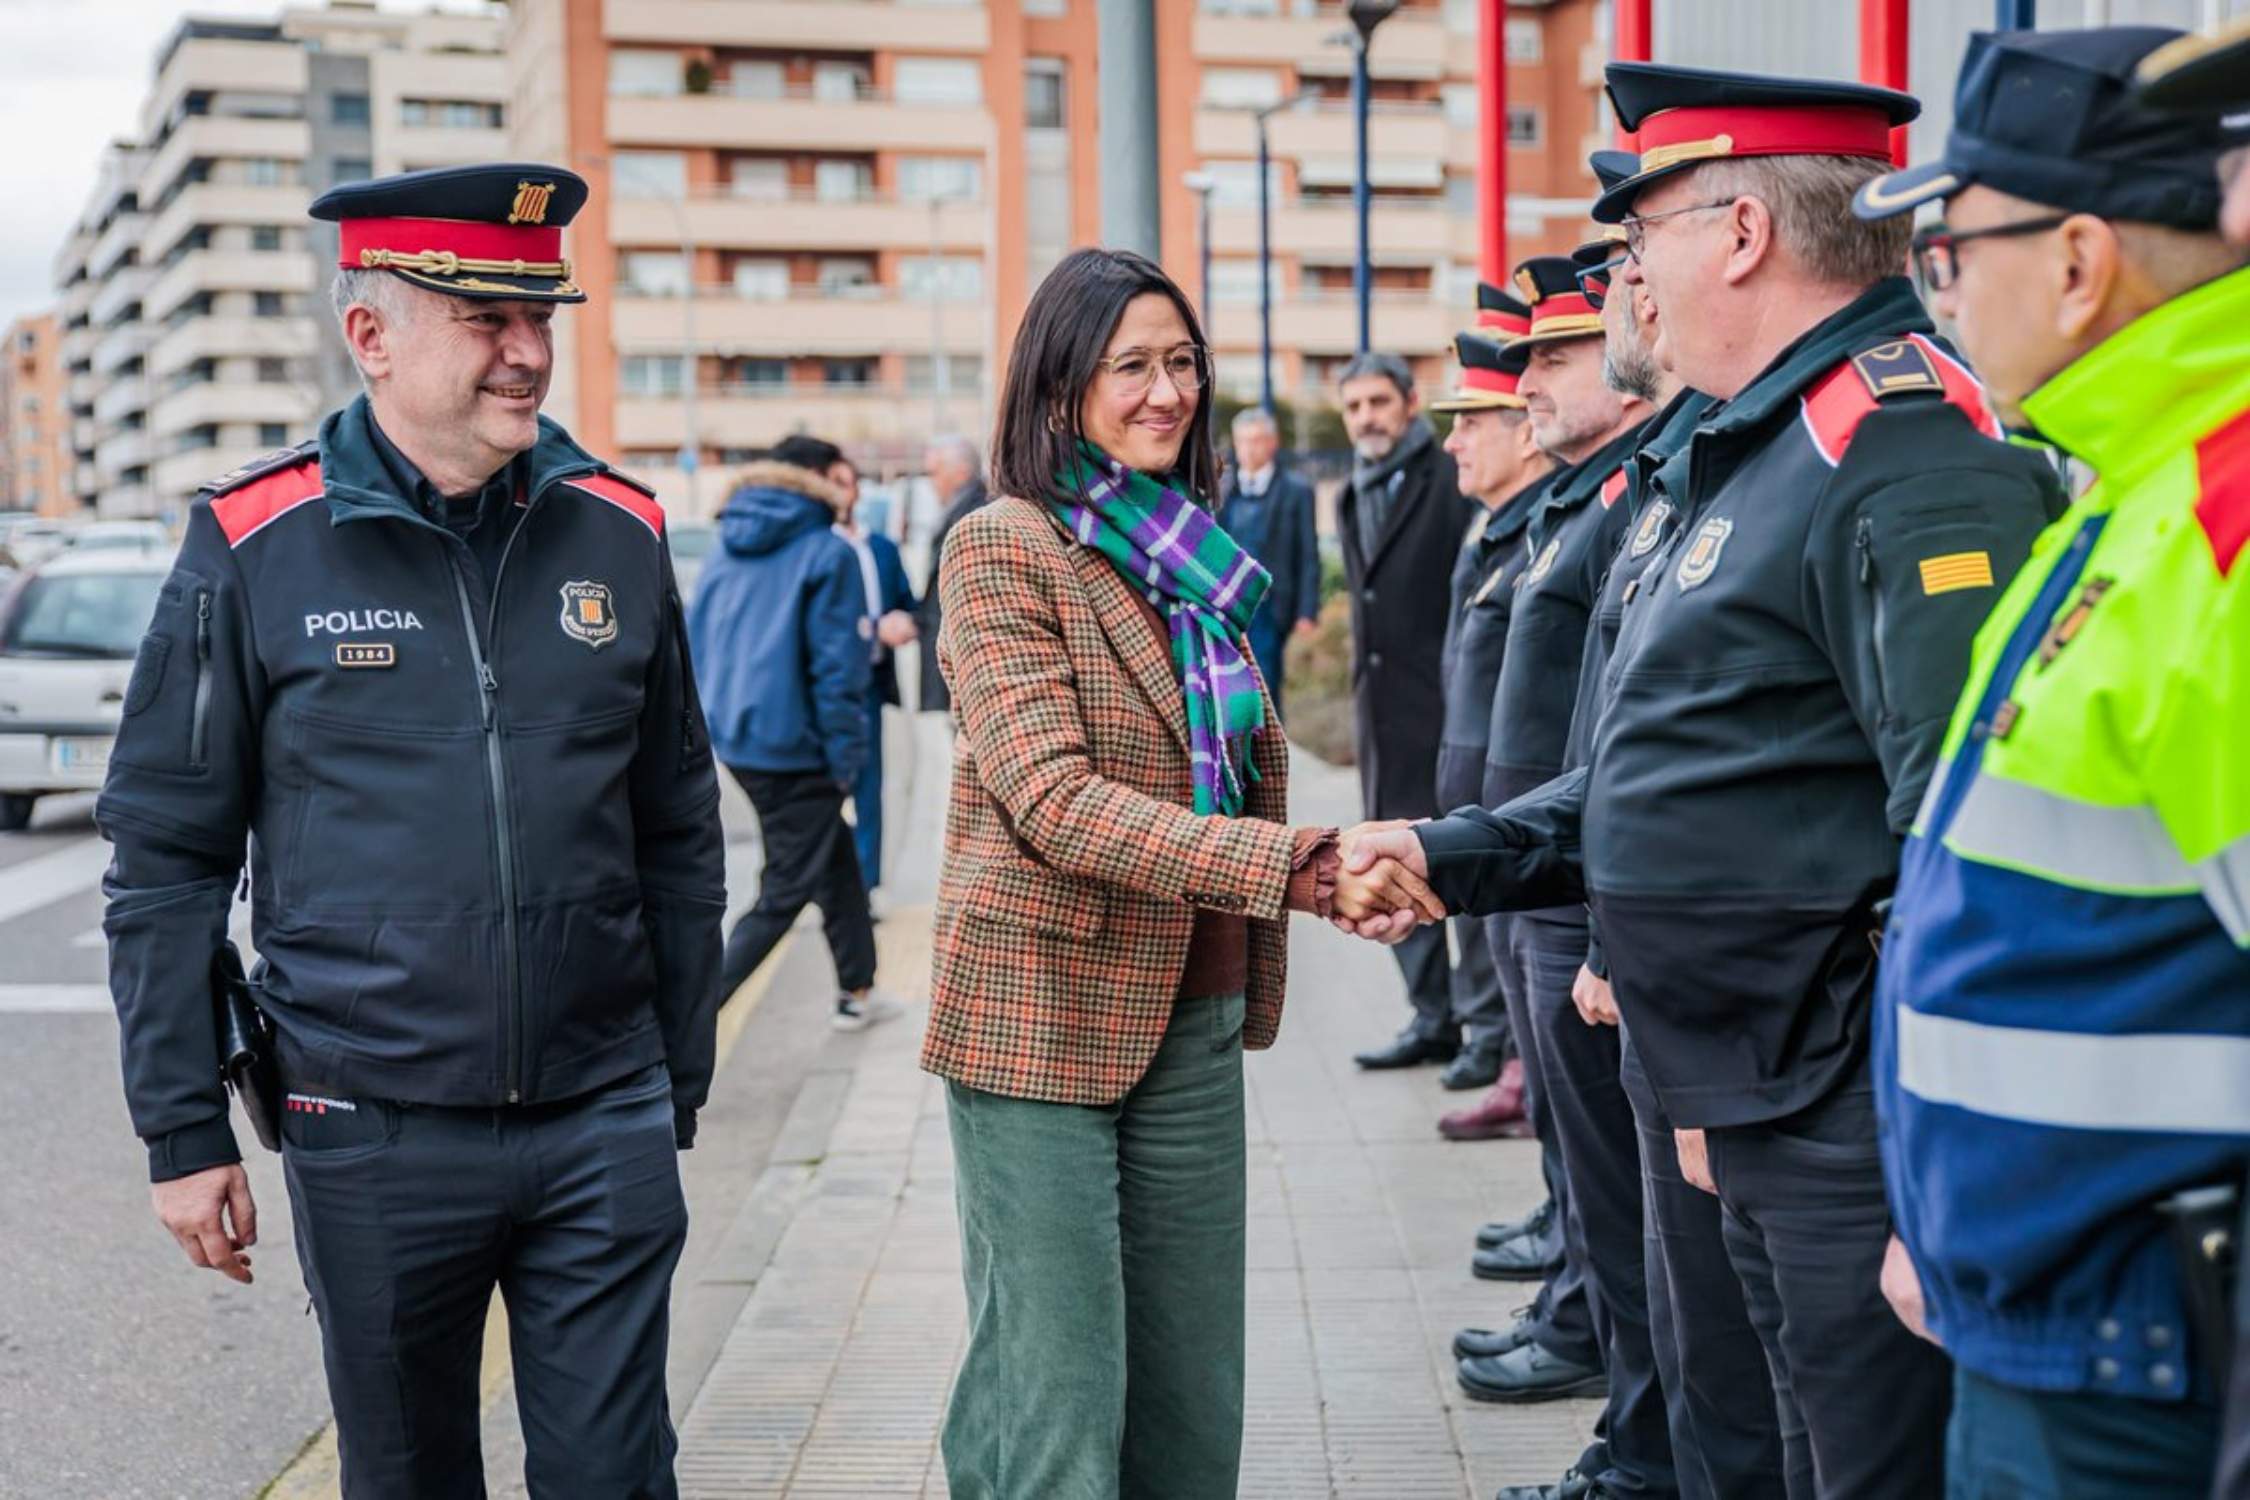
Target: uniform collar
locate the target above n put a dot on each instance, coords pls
(1575, 486)
(2153, 387)
(360, 484)
(1887, 310)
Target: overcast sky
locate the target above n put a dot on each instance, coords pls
(72, 76)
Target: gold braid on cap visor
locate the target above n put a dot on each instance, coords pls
(446, 263)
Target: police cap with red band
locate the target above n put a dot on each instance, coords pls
(1559, 309)
(1490, 369)
(1683, 117)
(1499, 315)
(492, 231)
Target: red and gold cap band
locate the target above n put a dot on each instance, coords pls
(1489, 382)
(1502, 325)
(421, 244)
(1562, 316)
(1702, 133)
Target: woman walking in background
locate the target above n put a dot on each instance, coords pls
(1109, 933)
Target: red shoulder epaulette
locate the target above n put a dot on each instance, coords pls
(1915, 365)
(2222, 473)
(251, 498)
(626, 495)
(1613, 487)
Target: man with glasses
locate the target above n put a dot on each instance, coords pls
(1781, 680)
(2063, 1044)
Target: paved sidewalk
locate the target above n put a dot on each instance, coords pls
(833, 1380)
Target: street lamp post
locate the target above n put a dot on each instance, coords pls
(1265, 247)
(1366, 16)
(1200, 184)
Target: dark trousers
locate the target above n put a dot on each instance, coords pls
(1269, 647)
(809, 861)
(407, 1219)
(1564, 1321)
(1862, 1402)
(2011, 1444)
(1429, 981)
(867, 801)
(1480, 1007)
(1600, 1153)
(1718, 1388)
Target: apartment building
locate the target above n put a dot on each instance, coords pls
(828, 214)
(195, 332)
(34, 419)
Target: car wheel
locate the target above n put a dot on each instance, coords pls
(15, 810)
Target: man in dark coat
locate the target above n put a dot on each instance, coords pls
(957, 476)
(1403, 519)
(1270, 512)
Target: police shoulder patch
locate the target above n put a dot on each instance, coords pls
(1835, 405)
(248, 504)
(629, 496)
(1900, 367)
(258, 468)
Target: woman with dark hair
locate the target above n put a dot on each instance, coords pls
(1109, 933)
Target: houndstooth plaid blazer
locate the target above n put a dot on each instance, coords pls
(1073, 863)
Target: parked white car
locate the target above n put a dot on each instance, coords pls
(68, 630)
(141, 536)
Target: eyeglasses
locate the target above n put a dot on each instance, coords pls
(1937, 249)
(1636, 225)
(1188, 367)
(1593, 281)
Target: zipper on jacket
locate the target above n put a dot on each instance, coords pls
(503, 834)
(1866, 542)
(690, 711)
(199, 718)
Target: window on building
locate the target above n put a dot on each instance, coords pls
(352, 169)
(1463, 109)
(1241, 88)
(764, 178)
(272, 371)
(947, 278)
(964, 373)
(649, 174)
(1242, 7)
(1527, 125)
(644, 71)
(840, 82)
(923, 178)
(649, 374)
(758, 375)
(265, 236)
(1043, 94)
(265, 171)
(846, 275)
(1526, 41)
(653, 273)
(272, 434)
(1461, 198)
(757, 78)
(1236, 280)
(452, 114)
(843, 181)
(761, 280)
(938, 80)
(847, 372)
(1234, 184)
(266, 304)
(347, 109)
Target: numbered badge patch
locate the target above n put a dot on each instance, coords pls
(1702, 558)
(588, 613)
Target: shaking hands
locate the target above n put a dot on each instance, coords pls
(1383, 891)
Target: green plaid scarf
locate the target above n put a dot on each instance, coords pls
(1205, 586)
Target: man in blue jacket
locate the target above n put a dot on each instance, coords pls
(429, 667)
(783, 646)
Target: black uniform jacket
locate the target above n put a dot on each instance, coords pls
(486, 865)
(1399, 601)
(1782, 680)
(1476, 636)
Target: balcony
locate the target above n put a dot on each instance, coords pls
(215, 203)
(223, 64)
(1409, 132)
(119, 452)
(124, 502)
(868, 123)
(223, 402)
(120, 345)
(404, 150)
(1322, 322)
(800, 222)
(82, 431)
(1411, 44)
(227, 271)
(78, 345)
(219, 136)
(123, 234)
(876, 322)
(845, 25)
(761, 417)
(232, 338)
(118, 398)
(1422, 230)
(123, 288)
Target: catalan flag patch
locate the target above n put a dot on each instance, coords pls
(1955, 571)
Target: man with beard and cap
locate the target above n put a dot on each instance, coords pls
(1772, 716)
(1503, 469)
(431, 666)
(1402, 518)
(2063, 1047)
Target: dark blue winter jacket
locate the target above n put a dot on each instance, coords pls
(780, 630)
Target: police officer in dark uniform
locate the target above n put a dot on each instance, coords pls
(431, 666)
(1781, 681)
(1504, 470)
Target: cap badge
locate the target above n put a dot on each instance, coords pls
(1702, 558)
(588, 614)
(530, 206)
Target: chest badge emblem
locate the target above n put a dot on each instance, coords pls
(1702, 558)
(1651, 530)
(1545, 563)
(588, 613)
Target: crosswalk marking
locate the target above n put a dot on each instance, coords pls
(54, 999)
(54, 876)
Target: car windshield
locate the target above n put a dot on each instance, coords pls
(81, 614)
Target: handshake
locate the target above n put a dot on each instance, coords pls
(1382, 888)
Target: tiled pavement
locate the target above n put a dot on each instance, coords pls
(833, 1380)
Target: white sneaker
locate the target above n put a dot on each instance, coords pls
(877, 907)
(857, 1015)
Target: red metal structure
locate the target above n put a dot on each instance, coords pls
(1636, 34)
(1492, 146)
(1882, 54)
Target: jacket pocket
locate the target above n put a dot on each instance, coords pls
(1023, 895)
